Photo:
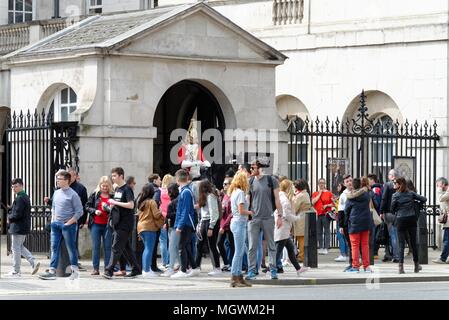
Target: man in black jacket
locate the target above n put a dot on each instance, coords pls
(19, 220)
(388, 217)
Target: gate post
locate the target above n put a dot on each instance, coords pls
(422, 238)
(310, 240)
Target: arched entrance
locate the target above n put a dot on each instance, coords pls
(181, 102)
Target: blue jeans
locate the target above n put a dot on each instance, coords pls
(163, 245)
(173, 245)
(194, 244)
(393, 233)
(341, 242)
(445, 252)
(97, 233)
(238, 229)
(149, 239)
(58, 232)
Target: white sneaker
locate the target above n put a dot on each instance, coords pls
(215, 272)
(320, 251)
(325, 251)
(340, 258)
(301, 270)
(12, 274)
(194, 272)
(149, 275)
(35, 268)
(75, 275)
(168, 273)
(179, 274)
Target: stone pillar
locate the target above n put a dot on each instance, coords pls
(36, 33)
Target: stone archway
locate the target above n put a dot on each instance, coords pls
(288, 106)
(379, 104)
(181, 102)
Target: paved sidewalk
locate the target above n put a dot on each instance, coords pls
(328, 272)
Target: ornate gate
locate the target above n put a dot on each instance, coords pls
(36, 148)
(330, 149)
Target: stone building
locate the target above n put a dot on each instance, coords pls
(395, 50)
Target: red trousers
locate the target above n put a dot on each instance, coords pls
(356, 239)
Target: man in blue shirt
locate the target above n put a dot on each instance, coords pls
(185, 226)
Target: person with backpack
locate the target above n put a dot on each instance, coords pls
(264, 200)
(150, 222)
(403, 207)
(209, 225)
(185, 227)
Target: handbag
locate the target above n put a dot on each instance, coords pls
(376, 218)
(159, 221)
(90, 220)
(381, 234)
(442, 218)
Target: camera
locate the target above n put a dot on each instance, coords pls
(106, 207)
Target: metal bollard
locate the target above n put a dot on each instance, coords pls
(422, 238)
(310, 241)
(64, 261)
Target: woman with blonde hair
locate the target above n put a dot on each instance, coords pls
(282, 234)
(165, 201)
(240, 214)
(98, 212)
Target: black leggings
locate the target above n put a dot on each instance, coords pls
(407, 226)
(288, 243)
(221, 247)
(211, 242)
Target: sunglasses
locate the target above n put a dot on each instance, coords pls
(254, 168)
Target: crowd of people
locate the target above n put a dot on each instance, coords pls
(252, 216)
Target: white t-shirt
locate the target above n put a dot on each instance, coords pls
(342, 200)
(238, 197)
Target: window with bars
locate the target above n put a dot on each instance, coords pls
(95, 6)
(383, 148)
(63, 104)
(297, 154)
(20, 11)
